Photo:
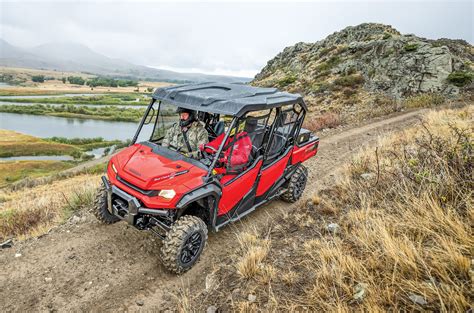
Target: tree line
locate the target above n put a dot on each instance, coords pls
(93, 82)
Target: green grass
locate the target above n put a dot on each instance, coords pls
(111, 113)
(16, 170)
(460, 78)
(109, 99)
(353, 80)
(411, 47)
(85, 144)
(287, 80)
(16, 144)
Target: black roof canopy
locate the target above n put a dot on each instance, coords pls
(227, 99)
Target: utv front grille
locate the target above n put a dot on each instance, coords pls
(149, 193)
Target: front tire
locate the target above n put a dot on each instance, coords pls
(184, 244)
(100, 209)
(296, 185)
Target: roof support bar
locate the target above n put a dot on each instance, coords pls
(140, 126)
(216, 157)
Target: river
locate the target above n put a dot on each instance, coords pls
(49, 126)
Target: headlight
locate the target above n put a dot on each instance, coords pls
(167, 193)
(113, 168)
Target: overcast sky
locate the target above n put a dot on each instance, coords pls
(222, 38)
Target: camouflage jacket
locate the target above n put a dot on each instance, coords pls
(196, 134)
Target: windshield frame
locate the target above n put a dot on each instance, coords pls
(170, 153)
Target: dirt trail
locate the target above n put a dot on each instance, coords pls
(83, 265)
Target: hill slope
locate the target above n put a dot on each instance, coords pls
(76, 57)
(369, 69)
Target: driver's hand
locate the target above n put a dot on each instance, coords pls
(201, 147)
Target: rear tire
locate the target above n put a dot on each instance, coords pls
(100, 208)
(296, 185)
(184, 244)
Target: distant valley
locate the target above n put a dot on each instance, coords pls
(75, 57)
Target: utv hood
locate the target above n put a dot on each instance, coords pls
(156, 168)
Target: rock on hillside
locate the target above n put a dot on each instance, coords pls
(368, 69)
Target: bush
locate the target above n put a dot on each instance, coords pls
(288, 80)
(425, 100)
(411, 47)
(38, 78)
(110, 82)
(460, 78)
(329, 64)
(326, 120)
(349, 80)
(76, 80)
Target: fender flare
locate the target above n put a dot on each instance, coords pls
(199, 193)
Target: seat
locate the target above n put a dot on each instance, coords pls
(219, 128)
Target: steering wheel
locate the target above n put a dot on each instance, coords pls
(207, 155)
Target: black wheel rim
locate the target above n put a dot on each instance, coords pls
(299, 185)
(191, 248)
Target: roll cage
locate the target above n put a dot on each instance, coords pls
(285, 109)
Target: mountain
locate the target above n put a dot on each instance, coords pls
(371, 69)
(79, 58)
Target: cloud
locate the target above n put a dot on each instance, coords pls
(217, 37)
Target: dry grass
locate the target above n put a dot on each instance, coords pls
(17, 144)
(325, 120)
(16, 170)
(404, 241)
(32, 213)
(254, 250)
(56, 86)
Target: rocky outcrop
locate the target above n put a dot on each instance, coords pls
(385, 62)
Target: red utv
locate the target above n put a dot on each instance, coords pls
(179, 198)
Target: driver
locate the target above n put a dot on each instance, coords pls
(187, 135)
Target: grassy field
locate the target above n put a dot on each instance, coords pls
(16, 144)
(394, 234)
(108, 99)
(111, 113)
(56, 86)
(16, 170)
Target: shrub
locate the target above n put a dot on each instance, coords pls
(329, 64)
(38, 78)
(424, 100)
(348, 92)
(320, 87)
(349, 80)
(326, 120)
(460, 78)
(76, 80)
(288, 80)
(386, 36)
(411, 47)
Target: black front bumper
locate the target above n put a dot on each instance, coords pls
(127, 207)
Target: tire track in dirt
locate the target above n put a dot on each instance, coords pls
(83, 265)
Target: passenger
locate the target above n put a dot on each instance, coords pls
(239, 145)
(187, 135)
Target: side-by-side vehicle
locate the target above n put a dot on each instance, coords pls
(161, 188)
